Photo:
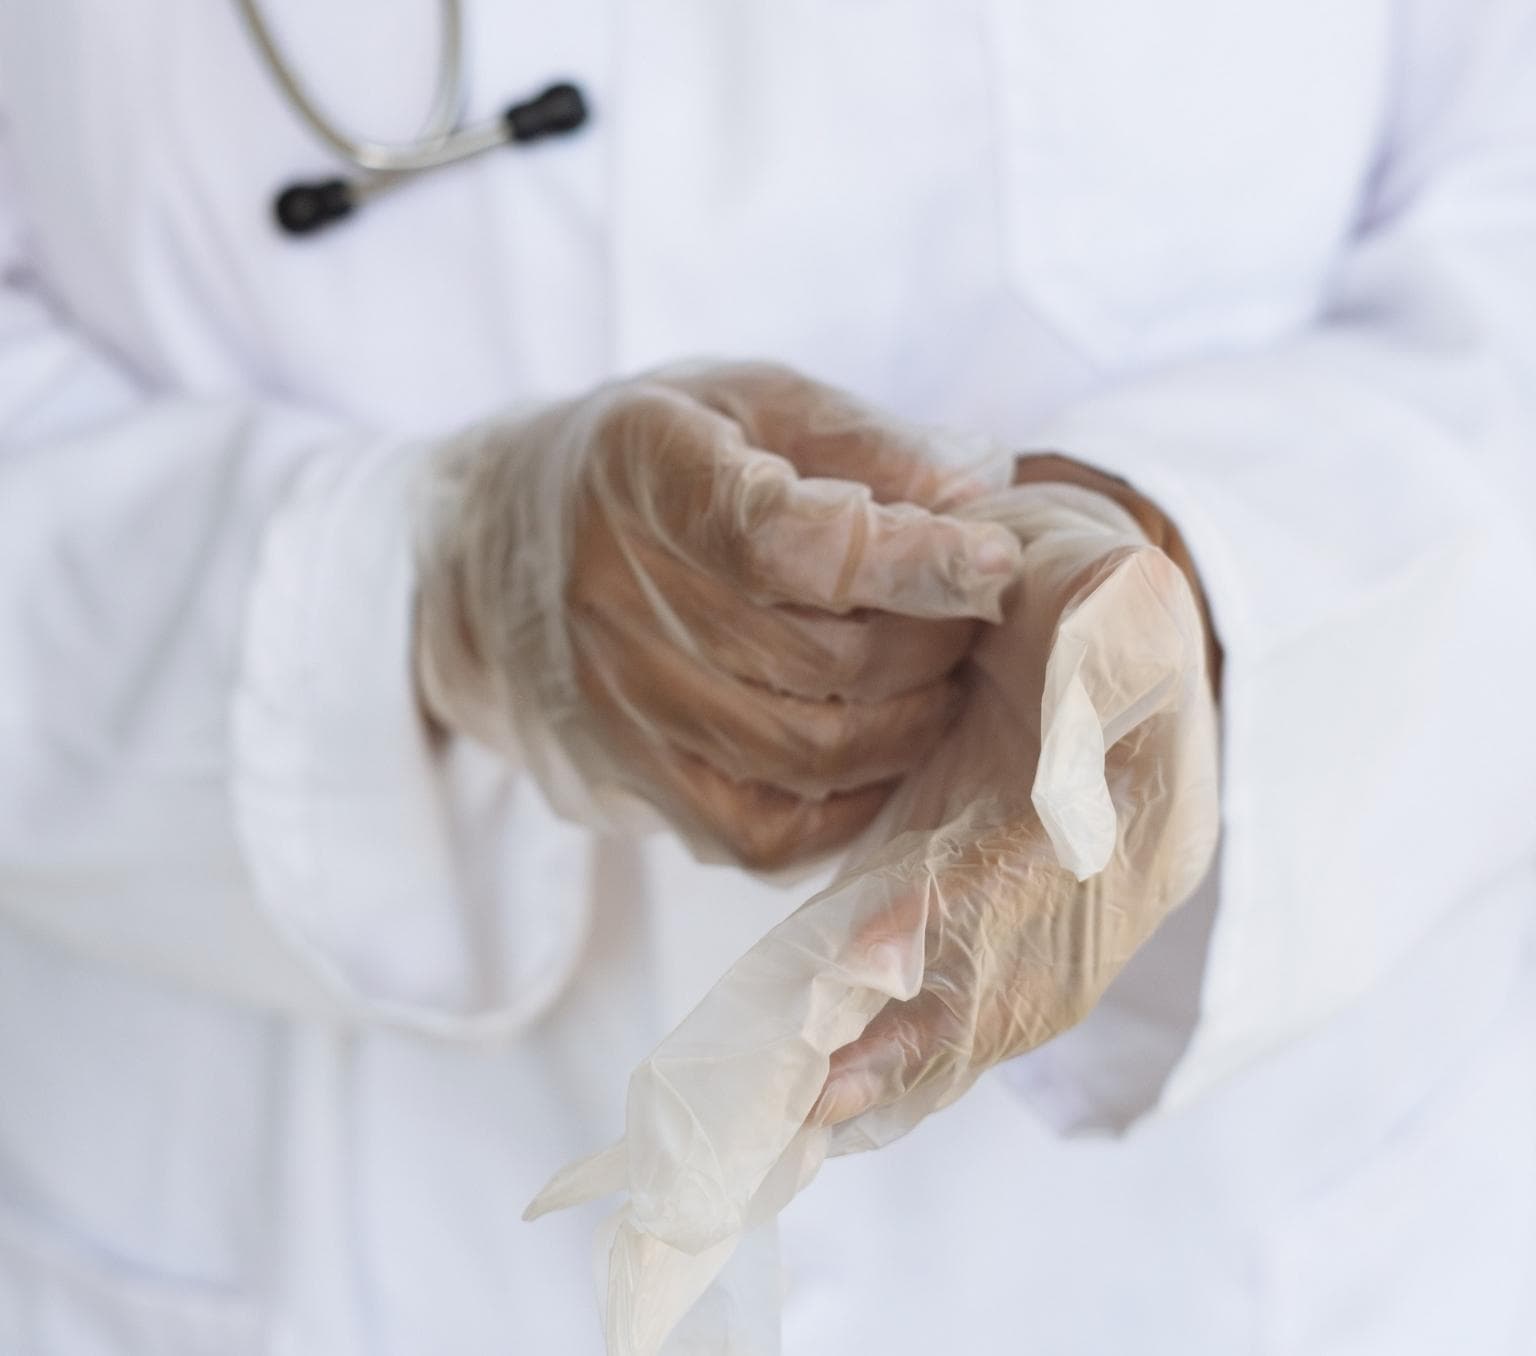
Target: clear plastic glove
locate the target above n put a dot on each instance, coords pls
(726, 590)
(1029, 905)
(1011, 878)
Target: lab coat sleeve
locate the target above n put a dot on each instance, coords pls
(212, 768)
(1361, 503)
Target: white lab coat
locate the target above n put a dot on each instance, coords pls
(296, 1010)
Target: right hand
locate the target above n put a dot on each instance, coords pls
(726, 590)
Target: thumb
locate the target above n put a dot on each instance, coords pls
(1070, 794)
(1123, 654)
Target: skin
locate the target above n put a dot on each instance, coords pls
(1015, 948)
(765, 604)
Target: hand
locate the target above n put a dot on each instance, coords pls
(1027, 906)
(1010, 878)
(728, 591)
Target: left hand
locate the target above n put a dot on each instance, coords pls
(728, 590)
(1029, 901)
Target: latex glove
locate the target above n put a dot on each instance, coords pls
(721, 590)
(1029, 905)
(1011, 878)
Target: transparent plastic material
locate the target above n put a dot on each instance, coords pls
(730, 592)
(1007, 882)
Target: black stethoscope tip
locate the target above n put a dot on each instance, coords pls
(561, 108)
(303, 208)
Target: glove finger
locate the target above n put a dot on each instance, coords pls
(904, 1049)
(826, 432)
(749, 733)
(683, 476)
(827, 544)
(1127, 655)
(763, 827)
(864, 656)
(1012, 955)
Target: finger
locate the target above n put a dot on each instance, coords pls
(862, 656)
(902, 1050)
(823, 431)
(826, 544)
(683, 475)
(763, 826)
(810, 748)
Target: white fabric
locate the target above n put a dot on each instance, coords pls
(1273, 263)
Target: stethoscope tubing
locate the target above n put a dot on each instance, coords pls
(442, 141)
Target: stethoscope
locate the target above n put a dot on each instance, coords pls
(304, 207)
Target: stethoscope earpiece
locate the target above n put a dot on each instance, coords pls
(302, 209)
(561, 108)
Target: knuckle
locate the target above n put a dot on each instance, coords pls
(632, 431)
(731, 386)
(843, 661)
(633, 411)
(842, 674)
(828, 737)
